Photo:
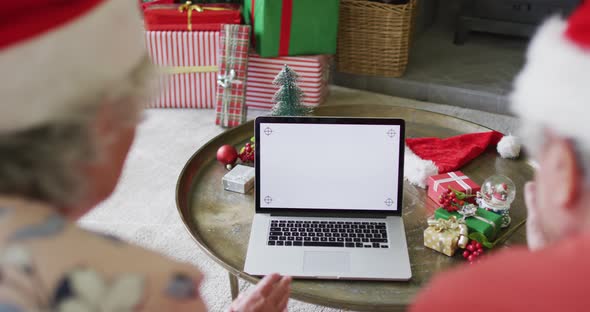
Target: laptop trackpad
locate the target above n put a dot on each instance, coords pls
(326, 262)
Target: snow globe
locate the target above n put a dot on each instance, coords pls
(496, 195)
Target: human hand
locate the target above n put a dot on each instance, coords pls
(534, 233)
(271, 294)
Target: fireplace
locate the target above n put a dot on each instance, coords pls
(508, 17)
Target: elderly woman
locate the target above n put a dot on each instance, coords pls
(72, 76)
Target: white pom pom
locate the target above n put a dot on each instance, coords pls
(509, 147)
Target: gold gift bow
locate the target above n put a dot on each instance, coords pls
(189, 7)
(188, 69)
(442, 225)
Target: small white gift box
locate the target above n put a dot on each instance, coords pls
(240, 179)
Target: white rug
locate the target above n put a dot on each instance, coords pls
(143, 211)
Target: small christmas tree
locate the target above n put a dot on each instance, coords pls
(288, 98)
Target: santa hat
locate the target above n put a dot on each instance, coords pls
(553, 89)
(425, 157)
(54, 53)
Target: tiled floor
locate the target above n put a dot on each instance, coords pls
(477, 75)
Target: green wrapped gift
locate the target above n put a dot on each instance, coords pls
(293, 27)
(485, 222)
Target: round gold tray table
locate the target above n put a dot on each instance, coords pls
(220, 221)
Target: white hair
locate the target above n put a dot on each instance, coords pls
(533, 136)
(42, 163)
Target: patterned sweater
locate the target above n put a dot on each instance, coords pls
(49, 264)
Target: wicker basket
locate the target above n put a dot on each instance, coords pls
(374, 38)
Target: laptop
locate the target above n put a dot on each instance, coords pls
(329, 199)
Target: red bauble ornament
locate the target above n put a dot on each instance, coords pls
(227, 155)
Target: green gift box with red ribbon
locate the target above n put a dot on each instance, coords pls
(293, 27)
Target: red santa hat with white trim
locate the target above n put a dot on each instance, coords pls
(55, 53)
(425, 157)
(553, 89)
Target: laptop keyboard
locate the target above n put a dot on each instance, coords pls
(296, 233)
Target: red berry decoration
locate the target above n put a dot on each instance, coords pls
(473, 251)
(247, 153)
(227, 155)
(450, 202)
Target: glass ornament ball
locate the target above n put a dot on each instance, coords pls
(498, 192)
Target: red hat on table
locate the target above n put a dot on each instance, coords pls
(56, 53)
(553, 89)
(425, 157)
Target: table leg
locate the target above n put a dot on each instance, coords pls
(234, 286)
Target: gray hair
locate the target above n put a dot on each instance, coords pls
(42, 163)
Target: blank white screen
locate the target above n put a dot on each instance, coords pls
(329, 166)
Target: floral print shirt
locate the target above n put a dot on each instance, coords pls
(49, 264)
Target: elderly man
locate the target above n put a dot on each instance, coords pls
(551, 97)
(72, 75)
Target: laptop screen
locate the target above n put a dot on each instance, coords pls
(329, 166)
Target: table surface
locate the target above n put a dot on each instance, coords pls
(220, 221)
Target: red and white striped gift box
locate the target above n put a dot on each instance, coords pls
(313, 74)
(190, 62)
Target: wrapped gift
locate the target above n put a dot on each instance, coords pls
(456, 180)
(233, 66)
(190, 17)
(477, 220)
(313, 72)
(240, 179)
(287, 27)
(188, 61)
(144, 4)
(445, 236)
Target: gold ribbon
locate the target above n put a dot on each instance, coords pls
(441, 225)
(188, 69)
(453, 224)
(189, 7)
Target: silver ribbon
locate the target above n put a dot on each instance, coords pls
(225, 81)
(470, 211)
(454, 178)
